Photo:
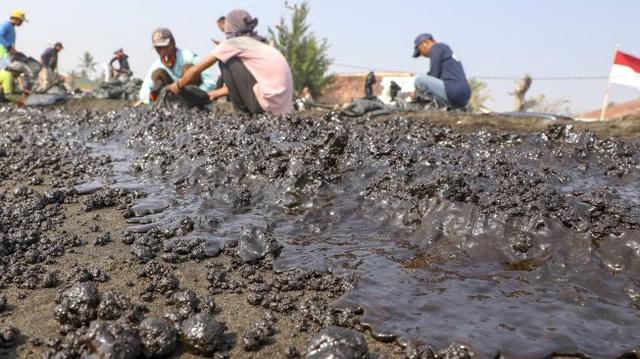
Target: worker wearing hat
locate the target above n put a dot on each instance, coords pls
(170, 66)
(7, 78)
(446, 79)
(123, 71)
(8, 36)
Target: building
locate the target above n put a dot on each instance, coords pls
(343, 88)
(615, 111)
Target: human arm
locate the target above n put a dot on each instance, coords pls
(216, 94)
(4, 34)
(436, 56)
(111, 63)
(191, 74)
(147, 87)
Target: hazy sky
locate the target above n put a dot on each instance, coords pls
(492, 37)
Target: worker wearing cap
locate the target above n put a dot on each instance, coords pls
(8, 91)
(257, 77)
(123, 69)
(8, 35)
(49, 57)
(446, 79)
(169, 67)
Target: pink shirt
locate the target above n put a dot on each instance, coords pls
(274, 82)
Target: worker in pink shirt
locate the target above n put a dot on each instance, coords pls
(257, 77)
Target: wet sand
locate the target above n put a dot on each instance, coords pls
(32, 310)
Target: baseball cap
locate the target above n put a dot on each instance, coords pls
(161, 37)
(58, 44)
(419, 40)
(19, 14)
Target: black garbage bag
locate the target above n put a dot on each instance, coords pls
(191, 96)
(360, 107)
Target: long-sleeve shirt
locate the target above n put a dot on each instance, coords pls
(50, 58)
(183, 57)
(7, 35)
(447, 67)
(6, 82)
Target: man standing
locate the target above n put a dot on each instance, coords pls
(446, 79)
(49, 60)
(123, 69)
(257, 77)
(170, 66)
(8, 36)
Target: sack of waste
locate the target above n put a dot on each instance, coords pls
(41, 100)
(117, 90)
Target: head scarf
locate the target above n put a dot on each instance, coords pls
(240, 23)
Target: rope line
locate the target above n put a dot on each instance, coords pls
(500, 78)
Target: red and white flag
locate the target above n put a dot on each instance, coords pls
(626, 70)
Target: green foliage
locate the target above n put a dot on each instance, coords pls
(306, 54)
(479, 95)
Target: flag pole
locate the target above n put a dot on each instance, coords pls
(608, 89)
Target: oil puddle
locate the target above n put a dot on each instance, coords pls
(521, 245)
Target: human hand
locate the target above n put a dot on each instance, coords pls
(174, 88)
(213, 96)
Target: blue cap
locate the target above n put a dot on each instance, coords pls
(419, 40)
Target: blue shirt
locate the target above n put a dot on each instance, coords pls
(7, 35)
(183, 57)
(447, 67)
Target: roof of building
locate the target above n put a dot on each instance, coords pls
(615, 111)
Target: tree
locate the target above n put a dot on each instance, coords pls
(520, 93)
(544, 104)
(479, 95)
(306, 54)
(87, 65)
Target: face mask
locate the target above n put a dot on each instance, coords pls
(169, 60)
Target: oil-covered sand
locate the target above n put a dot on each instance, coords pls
(133, 233)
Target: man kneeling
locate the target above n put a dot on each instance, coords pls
(171, 65)
(257, 77)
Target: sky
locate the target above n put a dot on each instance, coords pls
(493, 38)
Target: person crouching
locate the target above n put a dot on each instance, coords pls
(172, 63)
(257, 76)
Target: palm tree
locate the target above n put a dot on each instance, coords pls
(87, 64)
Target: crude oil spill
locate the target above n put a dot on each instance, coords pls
(524, 245)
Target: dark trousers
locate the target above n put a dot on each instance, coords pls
(240, 83)
(191, 95)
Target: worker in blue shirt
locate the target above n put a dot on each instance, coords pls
(8, 36)
(446, 79)
(169, 67)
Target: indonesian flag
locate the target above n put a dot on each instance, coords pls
(626, 70)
